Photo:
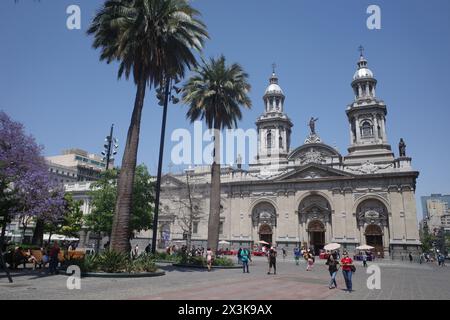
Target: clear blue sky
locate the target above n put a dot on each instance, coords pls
(51, 79)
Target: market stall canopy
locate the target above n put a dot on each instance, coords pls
(262, 242)
(223, 242)
(332, 246)
(365, 247)
(59, 237)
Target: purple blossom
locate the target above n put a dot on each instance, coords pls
(24, 171)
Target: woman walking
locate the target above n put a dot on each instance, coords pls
(209, 257)
(310, 261)
(245, 257)
(347, 270)
(333, 267)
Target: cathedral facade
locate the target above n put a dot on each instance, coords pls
(308, 195)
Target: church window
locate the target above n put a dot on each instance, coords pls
(366, 129)
(269, 140)
(195, 227)
(221, 227)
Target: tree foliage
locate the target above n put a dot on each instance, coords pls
(27, 191)
(104, 192)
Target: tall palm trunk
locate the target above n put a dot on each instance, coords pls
(38, 234)
(121, 223)
(214, 202)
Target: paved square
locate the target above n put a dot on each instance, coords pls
(399, 280)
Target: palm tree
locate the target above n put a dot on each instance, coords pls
(153, 40)
(216, 93)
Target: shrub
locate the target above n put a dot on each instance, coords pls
(112, 261)
(144, 264)
(223, 262)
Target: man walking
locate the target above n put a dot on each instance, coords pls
(297, 255)
(272, 256)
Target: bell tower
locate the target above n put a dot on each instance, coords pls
(274, 126)
(367, 118)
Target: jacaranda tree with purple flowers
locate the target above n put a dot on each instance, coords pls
(27, 192)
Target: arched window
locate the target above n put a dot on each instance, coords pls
(366, 129)
(269, 140)
(280, 142)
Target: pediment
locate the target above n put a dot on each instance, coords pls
(313, 171)
(170, 181)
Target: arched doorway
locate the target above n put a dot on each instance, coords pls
(265, 233)
(316, 232)
(264, 221)
(315, 222)
(372, 219)
(374, 238)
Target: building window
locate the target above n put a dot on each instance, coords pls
(195, 227)
(221, 227)
(366, 129)
(269, 140)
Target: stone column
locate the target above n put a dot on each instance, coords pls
(352, 137)
(358, 131)
(375, 127)
(383, 129)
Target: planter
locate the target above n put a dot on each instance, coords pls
(117, 274)
(164, 261)
(122, 274)
(204, 267)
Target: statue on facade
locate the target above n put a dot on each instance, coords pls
(402, 148)
(312, 125)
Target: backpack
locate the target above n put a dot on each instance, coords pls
(244, 255)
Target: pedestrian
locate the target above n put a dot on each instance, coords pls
(54, 253)
(245, 257)
(272, 257)
(209, 258)
(364, 259)
(441, 260)
(284, 253)
(135, 252)
(410, 257)
(333, 267)
(347, 270)
(239, 255)
(148, 248)
(310, 261)
(297, 255)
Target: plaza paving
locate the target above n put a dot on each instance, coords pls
(399, 280)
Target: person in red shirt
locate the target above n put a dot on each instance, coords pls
(347, 270)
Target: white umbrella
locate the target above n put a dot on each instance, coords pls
(223, 242)
(332, 246)
(262, 242)
(365, 247)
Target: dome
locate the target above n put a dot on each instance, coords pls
(363, 73)
(274, 88)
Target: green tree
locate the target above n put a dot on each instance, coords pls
(104, 194)
(216, 92)
(72, 221)
(103, 198)
(153, 40)
(427, 239)
(69, 224)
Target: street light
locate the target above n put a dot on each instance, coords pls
(110, 148)
(163, 96)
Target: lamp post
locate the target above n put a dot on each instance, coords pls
(110, 149)
(163, 97)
